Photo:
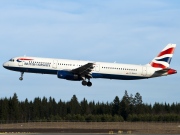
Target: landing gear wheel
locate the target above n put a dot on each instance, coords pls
(89, 84)
(84, 83)
(21, 78)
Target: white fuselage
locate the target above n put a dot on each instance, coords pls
(76, 70)
(100, 69)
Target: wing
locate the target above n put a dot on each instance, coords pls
(84, 70)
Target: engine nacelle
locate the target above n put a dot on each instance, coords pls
(62, 74)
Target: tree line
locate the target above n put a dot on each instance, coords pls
(128, 108)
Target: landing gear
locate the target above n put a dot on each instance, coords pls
(85, 83)
(21, 78)
(89, 84)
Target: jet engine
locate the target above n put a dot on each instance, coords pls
(62, 74)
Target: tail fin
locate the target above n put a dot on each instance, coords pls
(163, 60)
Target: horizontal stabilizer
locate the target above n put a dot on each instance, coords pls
(167, 70)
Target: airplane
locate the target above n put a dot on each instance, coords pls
(76, 70)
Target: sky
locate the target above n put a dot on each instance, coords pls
(121, 31)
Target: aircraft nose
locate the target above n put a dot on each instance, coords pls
(5, 65)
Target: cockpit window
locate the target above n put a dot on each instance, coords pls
(11, 60)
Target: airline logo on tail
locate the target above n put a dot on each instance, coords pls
(163, 60)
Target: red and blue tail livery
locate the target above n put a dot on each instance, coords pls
(163, 60)
(76, 70)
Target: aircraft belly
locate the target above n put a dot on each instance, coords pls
(115, 76)
(33, 70)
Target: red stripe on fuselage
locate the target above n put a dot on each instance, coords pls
(168, 51)
(24, 59)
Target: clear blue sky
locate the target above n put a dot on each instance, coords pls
(126, 31)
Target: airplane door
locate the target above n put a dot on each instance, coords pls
(55, 64)
(144, 71)
(97, 68)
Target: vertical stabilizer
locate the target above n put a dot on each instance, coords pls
(163, 60)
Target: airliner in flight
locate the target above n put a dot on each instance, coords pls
(76, 70)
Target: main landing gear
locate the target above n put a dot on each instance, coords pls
(85, 83)
(21, 78)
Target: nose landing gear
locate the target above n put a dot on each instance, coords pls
(21, 78)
